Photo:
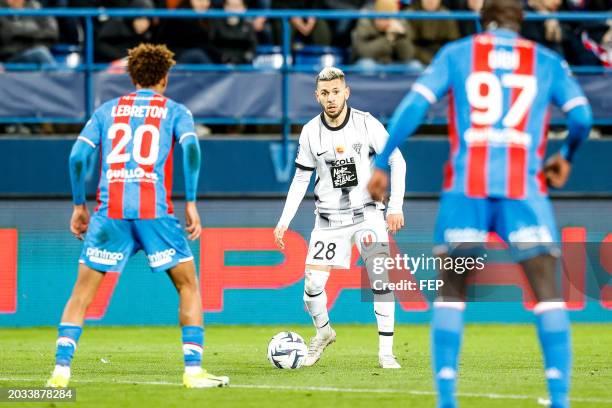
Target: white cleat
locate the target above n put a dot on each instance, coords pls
(388, 361)
(316, 348)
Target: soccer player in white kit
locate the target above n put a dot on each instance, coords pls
(340, 144)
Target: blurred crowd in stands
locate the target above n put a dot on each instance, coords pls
(237, 40)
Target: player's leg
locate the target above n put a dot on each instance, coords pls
(372, 241)
(329, 247)
(107, 247)
(462, 224)
(167, 250)
(529, 226)
(553, 326)
(71, 325)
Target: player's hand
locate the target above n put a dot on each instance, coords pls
(557, 171)
(378, 185)
(193, 225)
(279, 233)
(395, 222)
(79, 222)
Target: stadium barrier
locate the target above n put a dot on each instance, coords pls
(267, 172)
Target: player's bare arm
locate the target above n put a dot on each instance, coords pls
(79, 220)
(378, 184)
(193, 225)
(557, 170)
(279, 233)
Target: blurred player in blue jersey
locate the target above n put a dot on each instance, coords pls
(135, 137)
(500, 87)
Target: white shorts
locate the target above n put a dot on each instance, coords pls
(332, 246)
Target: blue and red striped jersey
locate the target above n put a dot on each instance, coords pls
(500, 87)
(136, 134)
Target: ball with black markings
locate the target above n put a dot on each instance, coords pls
(287, 350)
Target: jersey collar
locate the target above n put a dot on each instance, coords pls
(346, 119)
(503, 32)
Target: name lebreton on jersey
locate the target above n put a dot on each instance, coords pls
(136, 134)
(500, 87)
(343, 159)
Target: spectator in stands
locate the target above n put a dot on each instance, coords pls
(587, 42)
(308, 30)
(466, 27)
(548, 32)
(25, 39)
(234, 37)
(431, 35)
(115, 36)
(341, 29)
(189, 39)
(383, 40)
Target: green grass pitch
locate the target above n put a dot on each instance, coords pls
(142, 367)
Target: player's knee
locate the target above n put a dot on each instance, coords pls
(314, 283)
(540, 272)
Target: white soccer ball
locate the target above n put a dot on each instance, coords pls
(287, 350)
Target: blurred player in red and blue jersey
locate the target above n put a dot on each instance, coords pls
(135, 136)
(500, 87)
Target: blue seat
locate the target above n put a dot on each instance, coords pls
(321, 56)
(269, 56)
(67, 54)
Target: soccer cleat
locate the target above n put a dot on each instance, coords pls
(388, 361)
(316, 347)
(204, 379)
(58, 380)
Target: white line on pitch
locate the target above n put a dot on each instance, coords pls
(329, 389)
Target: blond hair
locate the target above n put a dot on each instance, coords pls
(329, 74)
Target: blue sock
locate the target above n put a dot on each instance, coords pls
(554, 332)
(67, 339)
(446, 334)
(193, 343)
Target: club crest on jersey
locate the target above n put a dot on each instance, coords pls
(357, 148)
(340, 149)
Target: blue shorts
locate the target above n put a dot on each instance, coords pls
(110, 243)
(528, 226)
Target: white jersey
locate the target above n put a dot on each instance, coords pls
(343, 158)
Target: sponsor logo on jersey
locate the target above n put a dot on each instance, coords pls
(160, 258)
(340, 149)
(130, 175)
(497, 137)
(144, 111)
(504, 59)
(103, 257)
(344, 173)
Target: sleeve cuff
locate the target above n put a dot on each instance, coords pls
(301, 166)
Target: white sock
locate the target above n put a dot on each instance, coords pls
(62, 370)
(385, 319)
(193, 369)
(315, 300)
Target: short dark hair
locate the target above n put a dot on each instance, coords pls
(148, 64)
(506, 13)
